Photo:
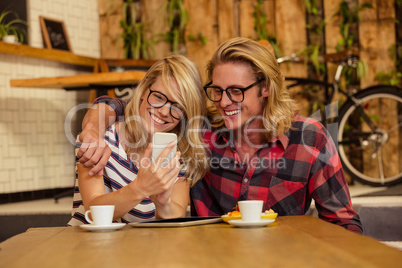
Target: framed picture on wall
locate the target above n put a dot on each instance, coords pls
(54, 34)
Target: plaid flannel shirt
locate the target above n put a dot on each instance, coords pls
(286, 173)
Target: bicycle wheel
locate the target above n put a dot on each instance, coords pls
(370, 136)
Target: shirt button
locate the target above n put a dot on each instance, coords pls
(246, 180)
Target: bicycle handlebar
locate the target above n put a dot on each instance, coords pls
(293, 57)
(341, 58)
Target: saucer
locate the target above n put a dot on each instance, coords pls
(102, 228)
(251, 224)
(227, 218)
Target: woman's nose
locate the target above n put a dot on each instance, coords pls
(165, 110)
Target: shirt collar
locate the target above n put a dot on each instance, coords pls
(283, 139)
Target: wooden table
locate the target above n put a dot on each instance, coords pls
(294, 241)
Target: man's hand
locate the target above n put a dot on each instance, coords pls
(94, 152)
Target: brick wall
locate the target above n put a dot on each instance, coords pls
(34, 151)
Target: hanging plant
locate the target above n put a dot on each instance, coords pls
(394, 77)
(177, 17)
(348, 17)
(260, 27)
(200, 38)
(313, 53)
(135, 46)
(315, 27)
(315, 24)
(311, 6)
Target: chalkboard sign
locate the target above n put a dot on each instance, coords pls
(54, 34)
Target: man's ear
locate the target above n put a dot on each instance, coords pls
(265, 90)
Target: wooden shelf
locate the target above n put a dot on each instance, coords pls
(48, 54)
(130, 62)
(84, 81)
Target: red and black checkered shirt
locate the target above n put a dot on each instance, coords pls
(287, 173)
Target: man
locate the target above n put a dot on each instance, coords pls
(260, 149)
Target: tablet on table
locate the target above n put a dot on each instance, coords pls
(177, 222)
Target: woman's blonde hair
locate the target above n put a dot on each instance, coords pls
(187, 91)
(279, 107)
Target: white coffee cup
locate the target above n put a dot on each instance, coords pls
(101, 215)
(251, 210)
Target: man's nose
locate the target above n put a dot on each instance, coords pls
(225, 101)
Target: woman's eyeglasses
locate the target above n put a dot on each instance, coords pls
(235, 94)
(157, 100)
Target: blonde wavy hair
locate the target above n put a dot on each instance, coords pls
(279, 108)
(188, 93)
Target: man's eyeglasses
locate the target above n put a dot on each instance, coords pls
(235, 94)
(157, 100)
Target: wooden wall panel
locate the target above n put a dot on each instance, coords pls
(377, 35)
(332, 33)
(291, 32)
(110, 14)
(246, 19)
(202, 20)
(219, 20)
(269, 9)
(386, 9)
(155, 23)
(291, 35)
(227, 25)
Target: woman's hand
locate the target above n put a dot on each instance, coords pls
(155, 180)
(162, 198)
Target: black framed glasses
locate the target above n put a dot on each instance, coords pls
(157, 100)
(235, 94)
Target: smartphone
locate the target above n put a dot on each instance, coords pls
(159, 142)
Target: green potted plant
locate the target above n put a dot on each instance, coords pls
(11, 31)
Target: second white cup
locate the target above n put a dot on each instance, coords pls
(251, 210)
(101, 215)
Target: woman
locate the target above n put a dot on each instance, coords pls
(168, 99)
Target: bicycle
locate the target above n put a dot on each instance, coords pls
(369, 124)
